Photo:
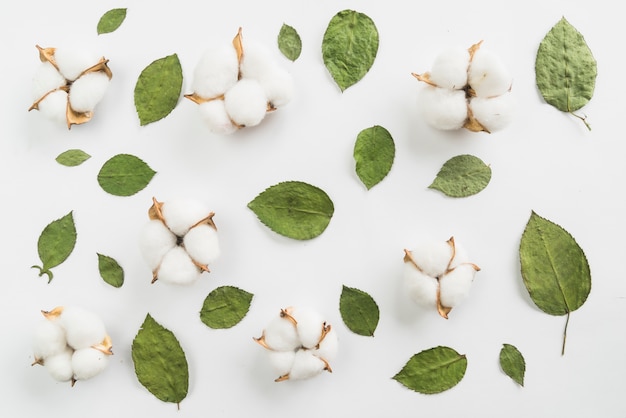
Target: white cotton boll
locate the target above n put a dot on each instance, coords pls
(281, 335)
(278, 86)
(281, 361)
(443, 108)
(257, 61)
(246, 103)
(177, 268)
(46, 79)
(487, 74)
(455, 286)
(54, 106)
(155, 240)
(88, 91)
(82, 328)
(306, 365)
(72, 62)
(422, 289)
(309, 326)
(328, 347)
(493, 113)
(432, 257)
(216, 72)
(88, 362)
(450, 69)
(182, 214)
(214, 115)
(48, 339)
(202, 244)
(59, 366)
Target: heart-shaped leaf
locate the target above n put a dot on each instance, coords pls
(433, 371)
(359, 311)
(111, 20)
(462, 176)
(512, 363)
(110, 271)
(225, 307)
(158, 88)
(72, 157)
(55, 244)
(289, 42)
(124, 175)
(374, 152)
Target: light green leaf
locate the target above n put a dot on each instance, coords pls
(289, 42)
(349, 47)
(554, 268)
(294, 209)
(124, 175)
(225, 307)
(55, 244)
(433, 371)
(565, 69)
(158, 89)
(512, 363)
(359, 311)
(374, 152)
(111, 20)
(72, 157)
(462, 176)
(110, 271)
(160, 362)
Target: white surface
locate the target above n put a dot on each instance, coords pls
(545, 161)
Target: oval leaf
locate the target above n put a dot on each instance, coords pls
(72, 157)
(225, 307)
(111, 20)
(294, 209)
(56, 243)
(433, 371)
(124, 175)
(158, 89)
(462, 176)
(374, 152)
(289, 42)
(565, 69)
(349, 47)
(160, 362)
(110, 271)
(359, 311)
(512, 363)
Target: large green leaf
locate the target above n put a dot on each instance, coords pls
(158, 88)
(124, 175)
(462, 176)
(374, 152)
(110, 270)
(111, 20)
(72, 157)
(512, 363)
(433, 371)
(359, 311)
(225, 307)
(289, 42)
(55, 244)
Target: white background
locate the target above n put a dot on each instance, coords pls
(545, 161)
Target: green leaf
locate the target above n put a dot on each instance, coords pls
(225, 307)
(349, 47)
(158, 89)
(554, 268)
(289, 42)
(565, 69)
(111, 20)
(124, 175)
(512, 363)
(72, 157)
(294, 209)
(55, 244)
(359, 311)
(160, 362)
(374, 152)
(433, 371)
(462, 176)
(110, 271)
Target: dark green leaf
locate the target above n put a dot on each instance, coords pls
(72, 157)
(111, 20)
(433, 371)
(462, 176)
(512, 363)
(289, 42)
(359, 311)
(225, 307)
(294, 209)
(56, 243)
(124, 175)
(160, 362)
(374, 152)
(158, 89)
(349, 47)
(110, 271)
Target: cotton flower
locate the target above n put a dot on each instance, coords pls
(69, 84)
(236, 86)
(179, 241)
(300, 344)
(466, 88)
(438, 275)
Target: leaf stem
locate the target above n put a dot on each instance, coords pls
(565, 334)
(583, 118)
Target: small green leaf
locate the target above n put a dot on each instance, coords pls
(374, 152)
(55, 244)
(433, 371)
(554, 268)
(124, 175)
(289, 42)
(462, 176)
(349, 47)
(110, 271)
(512, 363)
(565, 69)
(294, 209)
(160, 362)
(111, 20)
(225, 307)
(72, 157)
(158, 89)
(359, 311)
